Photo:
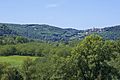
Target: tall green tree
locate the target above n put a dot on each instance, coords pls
(29, 69)
(91, 59)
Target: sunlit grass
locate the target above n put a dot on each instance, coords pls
(15, 60)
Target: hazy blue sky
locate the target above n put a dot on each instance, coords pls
(79, 14)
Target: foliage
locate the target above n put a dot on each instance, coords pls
(92, 59)
(7, 40)
(9, 73)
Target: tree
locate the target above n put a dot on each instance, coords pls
(91, 59)
(28, 69)
(20, 39)
(11, 73)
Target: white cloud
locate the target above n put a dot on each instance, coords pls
(52, 5)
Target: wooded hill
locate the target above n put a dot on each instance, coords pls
(52, 33)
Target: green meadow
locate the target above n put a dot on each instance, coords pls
(15, 60)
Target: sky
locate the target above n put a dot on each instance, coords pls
(78, 14)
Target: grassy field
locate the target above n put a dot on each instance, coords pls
(15, 60)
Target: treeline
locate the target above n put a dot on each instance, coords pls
(92, 59)
(7, 40)
(35, 49)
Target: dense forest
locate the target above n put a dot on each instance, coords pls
(92, 58)
(52, 33)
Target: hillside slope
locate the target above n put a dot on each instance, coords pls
(111, 32)
(42, 32)
(52, 33)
